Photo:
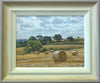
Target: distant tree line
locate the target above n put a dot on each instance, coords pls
(43, 40)
(21, 44)
(46, 39)
(36, 43)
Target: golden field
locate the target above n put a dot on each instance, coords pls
(62, 46)
(44, 60)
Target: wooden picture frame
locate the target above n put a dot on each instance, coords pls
(9, 9)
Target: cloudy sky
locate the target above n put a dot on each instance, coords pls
(49, 26)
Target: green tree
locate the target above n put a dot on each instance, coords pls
(39, 37)
(27, 49)
(70, 38)
(57, 37)
(30, 43)
(32, 38)
(37, 45)
(47, 39)
(33, 46)
(44, 39)
(21, 43)
(78, 37)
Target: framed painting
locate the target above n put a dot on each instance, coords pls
(49, 41)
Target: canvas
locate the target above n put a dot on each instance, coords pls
(50, 41)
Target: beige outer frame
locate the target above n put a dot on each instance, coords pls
(19, 75)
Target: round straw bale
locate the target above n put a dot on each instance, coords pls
(46, 52)
(51, 50)
(74, 52)
(59, 56)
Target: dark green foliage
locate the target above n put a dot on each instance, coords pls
(42, 41)
(70, 38)
(51, 49)
(45, 39)
(39, 37)
(32, 38)
(30, 43)
(78, 37)
(33, 46)
(27, 49)
(43, 49)
(21, 44)
(57, 37)
(37, 45)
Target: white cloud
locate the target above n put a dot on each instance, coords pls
(50, 25)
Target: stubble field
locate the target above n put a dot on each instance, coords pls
(46, 60)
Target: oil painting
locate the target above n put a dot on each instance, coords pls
(50, 41)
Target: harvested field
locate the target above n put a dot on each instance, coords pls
(62, 46)
(46, 60)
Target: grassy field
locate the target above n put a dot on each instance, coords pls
(46, 60)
